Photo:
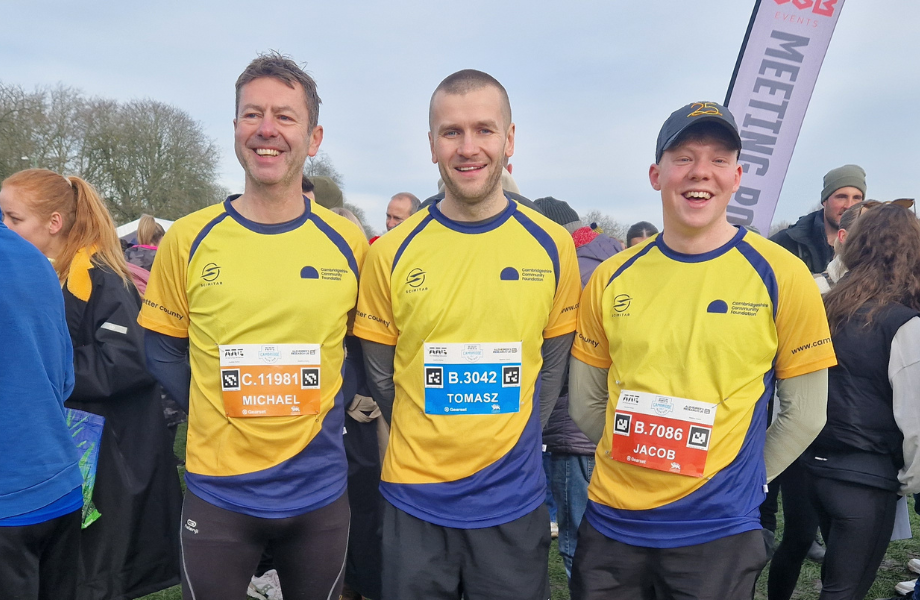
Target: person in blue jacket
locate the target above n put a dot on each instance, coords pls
(40, 481)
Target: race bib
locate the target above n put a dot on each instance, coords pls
(662, 432)
(473, 379)
(270, 380)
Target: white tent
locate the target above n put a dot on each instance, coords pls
(128, 230)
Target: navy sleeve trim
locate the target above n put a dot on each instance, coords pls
(630, 262)
(411, 236)
(204, 233)
(543, 238)
(764, 269)
(338, 240)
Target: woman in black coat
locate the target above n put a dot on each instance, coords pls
(133, 549)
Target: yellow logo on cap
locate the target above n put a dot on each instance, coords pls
(704, 108)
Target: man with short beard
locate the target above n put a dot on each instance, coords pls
(812, 237)
(462, 310)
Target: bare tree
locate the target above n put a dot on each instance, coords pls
(321, 165)
(359, 212)
(778, 226)
(142, 156)
(607, 224)
(21, 113)
(146, 156)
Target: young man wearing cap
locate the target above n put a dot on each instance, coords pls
(812, 237)
(687, 332)
(466, 312)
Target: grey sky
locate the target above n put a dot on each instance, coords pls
(590, 83)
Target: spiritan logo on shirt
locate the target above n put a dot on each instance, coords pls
(415, 280)
(621, 303)
(209, 274)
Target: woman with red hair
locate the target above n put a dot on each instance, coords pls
(133, 548)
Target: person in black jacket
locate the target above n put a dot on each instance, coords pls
(812, 236)
(133, 549)
(571, 461)
(869, 451)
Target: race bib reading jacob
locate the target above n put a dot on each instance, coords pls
(472, 379)
(270, 380)
(662, 432)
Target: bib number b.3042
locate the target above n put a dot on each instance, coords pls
(472, 379)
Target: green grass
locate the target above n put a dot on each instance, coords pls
(892, 570)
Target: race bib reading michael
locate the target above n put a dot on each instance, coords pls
(270, 380)
(472, 379)
(662, 432)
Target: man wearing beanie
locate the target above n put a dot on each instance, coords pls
(812, 237)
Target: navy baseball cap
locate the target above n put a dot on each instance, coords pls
(690, 115)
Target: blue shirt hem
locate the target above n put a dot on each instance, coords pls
(463, 523)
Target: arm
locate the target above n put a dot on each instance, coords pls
(378, 362)
(552, 375)
(353, 379)
(802, 414)
(167, 361)
(904, 375)
(588, 398)
(111, 361)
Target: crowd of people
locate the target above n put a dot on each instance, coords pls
(383, 418)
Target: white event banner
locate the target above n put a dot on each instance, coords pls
(770, 90)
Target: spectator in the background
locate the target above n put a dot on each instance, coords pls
(402, 206)
(812, 237)
(638, 232)
(868, 452)
(571, 452)
(149, 234)
(344, 212)
(366, 435)
(133, 549)
(829, 278)
(322, 190)
(140, 262)
(800, 518)
(40, 490)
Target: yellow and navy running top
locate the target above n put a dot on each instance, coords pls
(467, 307)
(278, 294)
(714, 329)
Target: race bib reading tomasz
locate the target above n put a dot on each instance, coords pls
(664, 433)
(270, 380)
(472, 379)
